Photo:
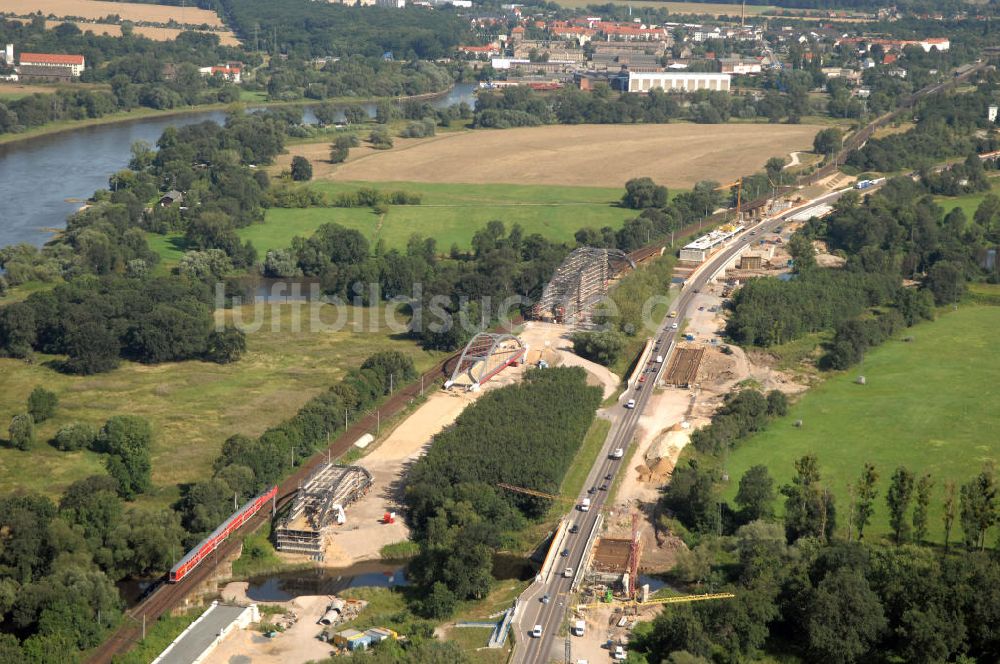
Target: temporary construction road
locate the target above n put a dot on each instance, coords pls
(551, 614)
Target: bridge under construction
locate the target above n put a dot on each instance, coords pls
(579, 283)
(486, 355)
(319, 504)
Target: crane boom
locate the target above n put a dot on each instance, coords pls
(677, 599)
(530, 492)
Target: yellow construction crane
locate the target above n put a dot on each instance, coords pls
(739, 194)
(677, 599)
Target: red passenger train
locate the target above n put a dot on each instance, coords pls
(219, 535)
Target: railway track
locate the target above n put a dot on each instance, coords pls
(167, 596)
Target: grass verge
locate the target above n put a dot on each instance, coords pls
(158, 636)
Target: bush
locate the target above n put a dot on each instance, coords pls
(380, 139)
(225, 346)
(22, 431)
(302, 170)
(601, 347)
(75, 437)
(42, 404)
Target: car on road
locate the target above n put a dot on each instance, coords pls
(642, 379)
(568, 572)
(592, 490)
(630, 404)
(608, 477)
(565, 553)
(673, 326)
(574, 529)
(544, 599)
(604, 487)
(537, 632)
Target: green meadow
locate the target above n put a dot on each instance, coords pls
(930, 404)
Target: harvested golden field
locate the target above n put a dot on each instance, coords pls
(678, 155)
(226, 37)
(128, 11)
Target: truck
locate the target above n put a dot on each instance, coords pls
(585, 505)
(659, 359)
(618, 453)
(578, 628)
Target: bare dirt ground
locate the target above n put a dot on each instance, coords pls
(552, 340)
(584, 155)
(296, 644)
(673, 413)
(364, 535)
(128, 11)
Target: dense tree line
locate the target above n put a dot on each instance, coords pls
(525, 435)
(304, 29)
(97, 321)
(898, 232)
(520, 107)
(354, 76)
(946, 126)
(59, 563)
(802, 588)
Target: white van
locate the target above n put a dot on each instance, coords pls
(537, 632)
(585, 505)
(579, 627)
(568, 573)
(659, 359)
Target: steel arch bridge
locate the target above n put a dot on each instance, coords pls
(486, 355)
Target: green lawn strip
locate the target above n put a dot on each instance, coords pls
(929, 404)
(450, 213)
(968, 202)
(473, 641)
(159, 635)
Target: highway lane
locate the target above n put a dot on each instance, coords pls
(550, 615)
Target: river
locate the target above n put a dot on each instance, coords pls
(45, 179)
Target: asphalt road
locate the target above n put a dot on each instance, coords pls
(550, 615)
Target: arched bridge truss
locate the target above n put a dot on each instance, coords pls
(580, 283)
(486, 355)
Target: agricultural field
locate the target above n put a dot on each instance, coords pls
(713, 8)
(128, 11)
(929, 404)
(226, 37)
(677, 155)
(192, 406)
(449, 213)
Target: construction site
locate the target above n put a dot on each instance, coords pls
(580, 282)
(318, 507)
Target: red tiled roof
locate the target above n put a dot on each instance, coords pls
(51, 59)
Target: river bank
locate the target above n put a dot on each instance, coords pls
(135, 115)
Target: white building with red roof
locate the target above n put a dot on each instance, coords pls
(71, 64)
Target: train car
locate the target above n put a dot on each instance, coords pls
(219, 535)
